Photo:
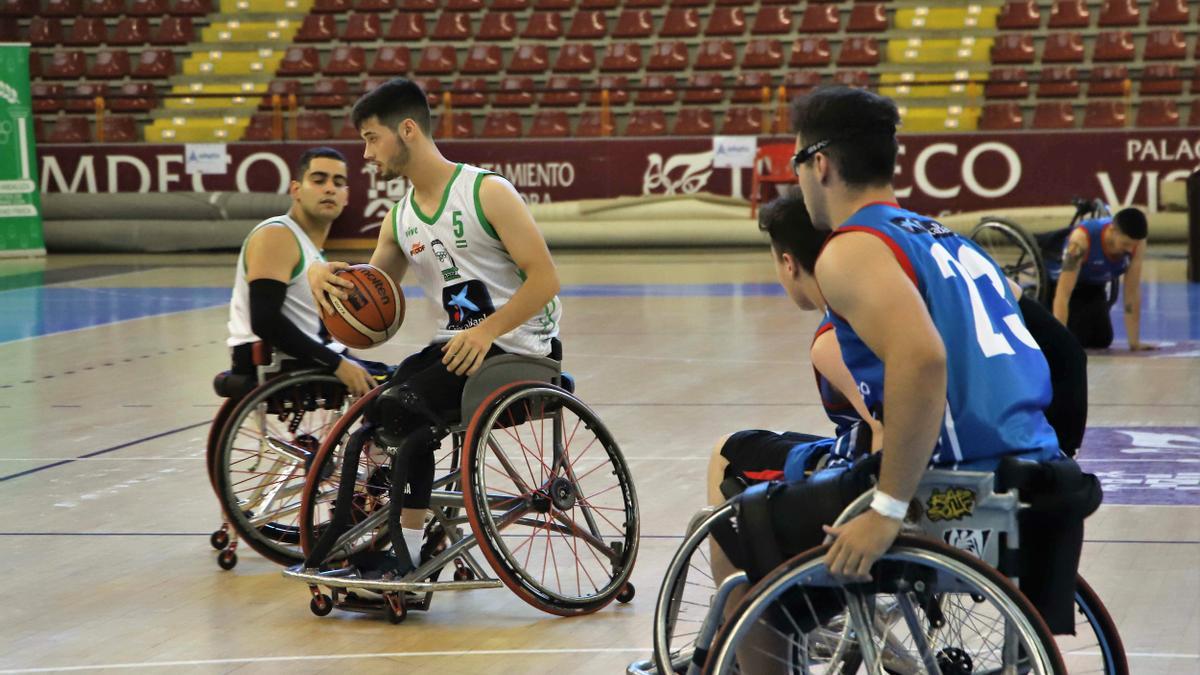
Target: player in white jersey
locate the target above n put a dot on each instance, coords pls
(271, 299)
(475, 250)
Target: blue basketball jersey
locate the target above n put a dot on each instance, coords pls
(838, 408)
(1099, 269)
(998, 382)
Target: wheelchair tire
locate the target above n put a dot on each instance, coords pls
(214, 434)
(1094, 618)
(576, 506)
(260, 487)
(1000, 238)
(926, 561)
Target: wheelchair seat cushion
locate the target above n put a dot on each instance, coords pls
(228, 384)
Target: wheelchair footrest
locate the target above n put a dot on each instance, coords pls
(348, 578)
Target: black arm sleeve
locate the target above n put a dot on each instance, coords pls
(1067, 412)
(268, 322)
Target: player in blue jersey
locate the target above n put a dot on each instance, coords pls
(1097, 253)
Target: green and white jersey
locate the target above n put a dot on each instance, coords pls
(298, 305)
(461, 264)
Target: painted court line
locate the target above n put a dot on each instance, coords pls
(101, 452)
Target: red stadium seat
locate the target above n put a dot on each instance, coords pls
(468, 92)
(859, 51)
(299, 61)
(691, 3)
(1119, 13)
(859, 79)
(672, 56)
(1054, 116)
(681, 22)
(562, 90)
(462, 125)
(772, 21)
(261, 128)
(45, 31)
(1108, 81)
(148, 8)
(329, 93)
(120, 129)
(35, 65)
(591, 125)
(452, 26)
(544, 26)
(810, 52)
(1069, 14)
(1158, 112)
(419, 5)
(726, 21)
(1161, 79)
(317, 28)
(530, 59)
(1114, 46)
(363, 28)
(694, 122)
(19, 8)
(716, 55)
(131, 31)
(437, 60)
(192, 7)
(657, 90)
(483, 60)
(1018, 15)
(1168, 12)
(86, 32)
(347, 132)
(1104, 115)
(331, 7)
(634, 23)
(650, 4)
(110, 64)
(83, 97)
(575, 58)
(406, 26)
(103, 7)
(374, 5)
(1064, 48)
(65, 65)
(588, 25)
(742, 122)
(134, 97)
(550, 124)
(820, 19)
(70, 129)
(763, 53)
(1165, 44)
(1059, 82)
(1013, 48)
(749, 87)
(347, 60)
(430, 85)
(47, 97)
(502, 125)
(61, 8)
(643, 122)
(498, 26)
(617, 87)
(1001, 117)
(620, 57)
(1194, 115)
(515, 92)
(174, 30)
(598, 4)
(1007, 83)
(464, 5)
(390, 61)
(313, 126)
(551, 4)
(705, 88)
(282, 89)
(868, 18)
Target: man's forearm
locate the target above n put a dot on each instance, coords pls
(914, 404)
(1133, 316)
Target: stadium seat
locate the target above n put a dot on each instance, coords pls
(694, 122)
(437, 60)
(550, 124)
(367, 84)
(810, 52)
(134, 97)
(772, 21)
(364, 27)
(763, 53)
(498, 26)
(1161, 79)
(599, 4)
(693, 3)
(1013, 48)
(464, 5)
(742, 122)
(681, 22)
(131, 31)
(617, 87)
(374, 5)
(103, 8)
(515, 92)
(61, 8)
(1114, 45)
(1168, 12)
(468, 92)
(859, 51)
(1069, 14)
(575, 58)
(39, 131)
(859, 79)
(820, 19)
(1158, 112)
(1165, 44)
(502, 124)
(462, 125)
(110, 64)
(1018, 15)
(281, 88)
(389, 61)
(868, 18)
(348, 60)
(1064, 48)
(65, 65)
(19, 8)
(726, 21)
(260, 129)
(70, 129)
(299, 62)
(347, 132)
(657, 90)
(530, 59)
(47, 97)
(544, 26)
(35, 65)
(634, 23)
(148, 8)
(331, 7)
(551, 4)
(669, 55)
(1108, 81)
(174, 30)
(83, 97)
(432, 88)
(643, 122)
(483, 60)
(406, 26)
(620, 57)
(1194, 115)
(1059, 82)
(716, 55)
(317, 28)
(192, 7)
(1007, 83)
(705, 88)
(329, 93)
(800, 82)
(45, 32)
(591, 125)
(419, 5)
(1001, 117)
(1119, 13)
(649, 4)
(1104, 115)
(1059, 115)
(562, 90)
(452, 26)
(313, 126)
(86, 32)
(588, 25)
(749, 87)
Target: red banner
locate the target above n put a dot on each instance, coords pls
(937, 174)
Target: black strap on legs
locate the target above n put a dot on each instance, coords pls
(344, 504)
(422, 440)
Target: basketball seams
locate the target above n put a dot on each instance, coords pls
(366, 328)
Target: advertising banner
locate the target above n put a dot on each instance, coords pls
(20, 201)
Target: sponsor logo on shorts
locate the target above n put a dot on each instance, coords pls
(972, 541)
(953, 504)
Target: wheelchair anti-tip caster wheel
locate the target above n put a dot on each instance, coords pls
(219, 539)
(394, 607)
(227, 560)
(321, 604)
(462, 572)
(626, 594)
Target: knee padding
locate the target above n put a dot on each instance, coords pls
(399, 410)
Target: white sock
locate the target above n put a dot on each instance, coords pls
(412, 539)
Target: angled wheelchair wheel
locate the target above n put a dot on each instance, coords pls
(1096, 645)
(263, 455)
(550, 499)
(929, 608)
(1017, 254)
(214, 434)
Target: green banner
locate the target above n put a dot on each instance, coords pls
(20, 202)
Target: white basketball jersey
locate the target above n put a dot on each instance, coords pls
(463, 266)
(298, 305)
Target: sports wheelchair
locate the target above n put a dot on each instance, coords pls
(531, 477)
(941, 600)
(260, 444)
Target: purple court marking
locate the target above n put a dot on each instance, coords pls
(1145, 465)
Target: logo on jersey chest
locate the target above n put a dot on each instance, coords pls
(921, 226)
(417, 247)
(467, 304)
(410, 232)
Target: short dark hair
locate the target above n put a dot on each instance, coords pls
(861, 128)
(1132, 223)
(313, 153)
(787, 223)
(393, 102)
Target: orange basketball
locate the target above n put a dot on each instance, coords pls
(371, 314)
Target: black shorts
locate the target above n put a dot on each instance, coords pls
(757, 455)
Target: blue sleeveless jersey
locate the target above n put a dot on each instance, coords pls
(1099, 269)
(998, 383)
(837, 407)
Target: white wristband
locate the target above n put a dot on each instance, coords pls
(888, 506)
